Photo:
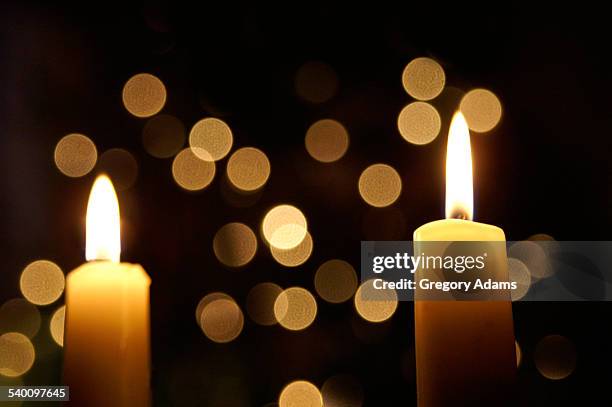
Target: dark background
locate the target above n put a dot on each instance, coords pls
(544, 169)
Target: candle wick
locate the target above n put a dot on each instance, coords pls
(459, 214)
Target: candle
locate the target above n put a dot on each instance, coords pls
(464, 348)
(106, 359)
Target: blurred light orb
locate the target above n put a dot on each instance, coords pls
(121, 167)
(519, 273)
(423, 78)
(300, 393)
(295, 308)
(342, 391)
(207, 299)
(380, 185)
(375, 305)
(295, 256)
(42, 282)
(260, 303)
(316, 82)
(144, 95)
(222, 320)
(19, 315)
(75, 155)
(533, 257)
(248, 169)
(335, 281)
(56, 325)
(482, 110)
(419, 123)
(519, 353)
(327, 140)
(191, 172)
(284, 227)
(212, 137)
(555, 357)
(235, 244)
(16, 354)
(163, 136)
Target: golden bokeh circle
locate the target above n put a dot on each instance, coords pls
(380, 185)
(316, 82)
(555, 357)
(419, 123)
(19, 315)
(342, 391)
(375, 305)
(519, 273)
(335, 281)
(423, 78)
(42, 282)
(144, 95)
(482, 110)
(533, 256)
(75, 155)
(121, 167)
(213, 136)
(16, 354)
(222, 320)
(295, 256)
(163, 136)
(295, 308)
(327, 140)
(260, 303)
(300, 393)
(284, 227)
(235, 244)
(56, 325)
(191, 172)
(207, 299)
(248, 169)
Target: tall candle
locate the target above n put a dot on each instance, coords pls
(107, 356)
(465, 352)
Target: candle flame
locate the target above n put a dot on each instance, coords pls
(459, 189)
(103, 241)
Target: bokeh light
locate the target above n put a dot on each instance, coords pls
(16, 354)
(300, 393)
(144, 95)
(42, 282)
(248, 169)
(380, 185)
(335, 281)
(121, 167)
(295, 308)
(284, 227)
(260, 303)
(163, 136)
(482, 110)
(191, 172)
(419, 123)
(327, 140)
(533, 256)
(342, 391)
(56, 325)
(211, 136)
(555, 357)
(235, 244)
(75, 155)
(207, 299)
(19, 315)
(519, 273)
(423, 78)
(316, 82)
(222, 320)
(295, 256)
(375, 305)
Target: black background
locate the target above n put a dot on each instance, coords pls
(544, 169)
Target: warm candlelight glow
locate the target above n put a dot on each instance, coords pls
(459, 189)
(103, 240)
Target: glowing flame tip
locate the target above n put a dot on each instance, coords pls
(102, 235)
(459, 188)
